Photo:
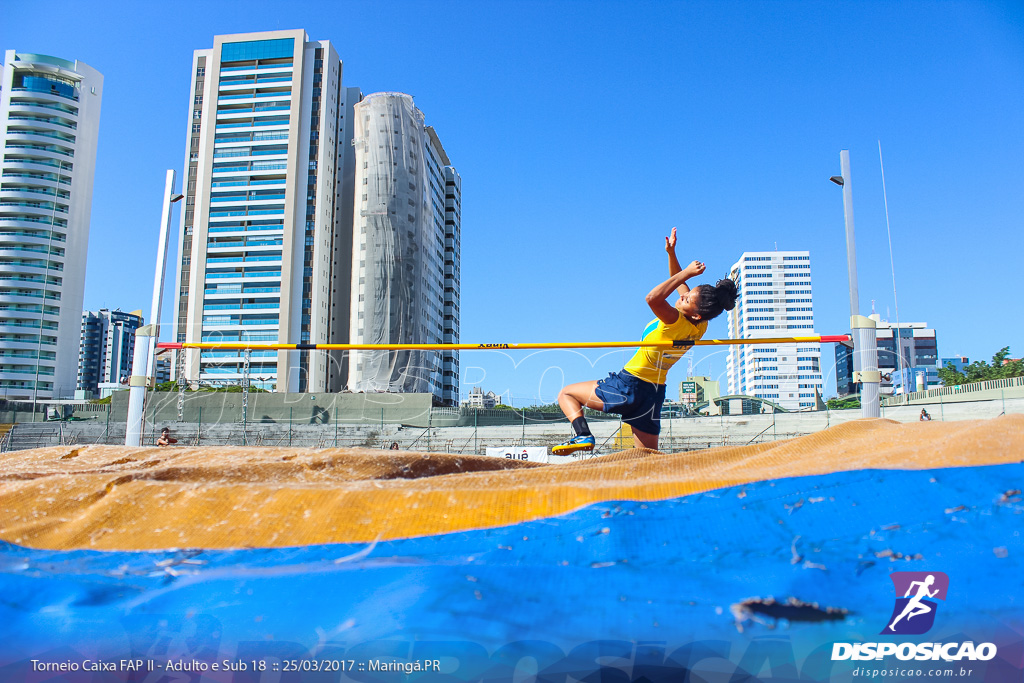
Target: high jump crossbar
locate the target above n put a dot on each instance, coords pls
(677, 344)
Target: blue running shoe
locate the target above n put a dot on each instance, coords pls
(577, 443)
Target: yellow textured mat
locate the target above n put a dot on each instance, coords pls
(112, 497)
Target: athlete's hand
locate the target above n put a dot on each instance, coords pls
(695, 268)
(670, 242)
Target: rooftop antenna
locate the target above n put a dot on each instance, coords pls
(892, 265)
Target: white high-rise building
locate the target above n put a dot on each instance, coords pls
(405, 271)
(49, 121)
(775, 301)
(266, 230)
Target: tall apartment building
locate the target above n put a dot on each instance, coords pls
(775, 301)
(49, 121)
(266, 230)
(910, 346)
(406, 263)
(106, 348)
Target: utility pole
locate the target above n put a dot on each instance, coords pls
(146, 336)
(865, 346)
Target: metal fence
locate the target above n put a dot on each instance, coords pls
(468, 439)
(465, 431)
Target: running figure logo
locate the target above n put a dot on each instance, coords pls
(914, 613)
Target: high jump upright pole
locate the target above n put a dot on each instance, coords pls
(865, 346)
(147, 335)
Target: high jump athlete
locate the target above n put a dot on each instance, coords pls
(638, 390)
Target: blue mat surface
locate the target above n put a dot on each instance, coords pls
(744, 583)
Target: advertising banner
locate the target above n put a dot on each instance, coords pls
(529, 453)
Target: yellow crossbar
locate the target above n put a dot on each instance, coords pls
(683, 343)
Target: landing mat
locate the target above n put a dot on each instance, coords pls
(741, 583)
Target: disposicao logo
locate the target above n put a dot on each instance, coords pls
(912, 615)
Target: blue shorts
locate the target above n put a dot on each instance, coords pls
(638, 402)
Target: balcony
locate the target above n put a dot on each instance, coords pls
(36, 206)
(30, 135)
(32, 192)
(27, 324)
(257, 200)
(219, 247)
(22, 235)
(245, 259)
(35, 104)
(45, 120)
(262, 323)
(38, 177)
(236, 169)
(16, 161)
(241, 307)
(39, 149)
(253, 110)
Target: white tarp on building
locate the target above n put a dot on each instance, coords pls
(398, 268)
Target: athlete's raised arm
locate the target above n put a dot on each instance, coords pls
(673, 261)
(657, 298)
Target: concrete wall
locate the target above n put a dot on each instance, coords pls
(997, 389)
(215, 407)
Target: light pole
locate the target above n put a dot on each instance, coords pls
(865, 347)
(146, 336)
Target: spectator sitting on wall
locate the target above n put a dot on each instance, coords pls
(925, 417)
(165, 437)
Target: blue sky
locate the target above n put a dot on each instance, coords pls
(584, 131)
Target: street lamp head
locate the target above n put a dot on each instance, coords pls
(177, 197)
(838, 180)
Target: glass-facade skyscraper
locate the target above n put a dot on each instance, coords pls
(49, 122)
(313, 216)
(266, 227)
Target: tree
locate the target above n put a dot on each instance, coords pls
(980, 371)
(843, 403)
(229, 388)
(544, 408)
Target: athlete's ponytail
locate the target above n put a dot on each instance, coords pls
(711, 301)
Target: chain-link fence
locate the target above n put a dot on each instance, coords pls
(453, 430)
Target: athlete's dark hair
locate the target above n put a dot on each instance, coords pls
(711, 301)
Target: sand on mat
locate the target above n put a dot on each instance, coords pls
(116, 497)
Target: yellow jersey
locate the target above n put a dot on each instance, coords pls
(652, 364)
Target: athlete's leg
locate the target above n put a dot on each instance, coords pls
(572, 398)
(645, 440)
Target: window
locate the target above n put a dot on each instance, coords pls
(257, 49)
